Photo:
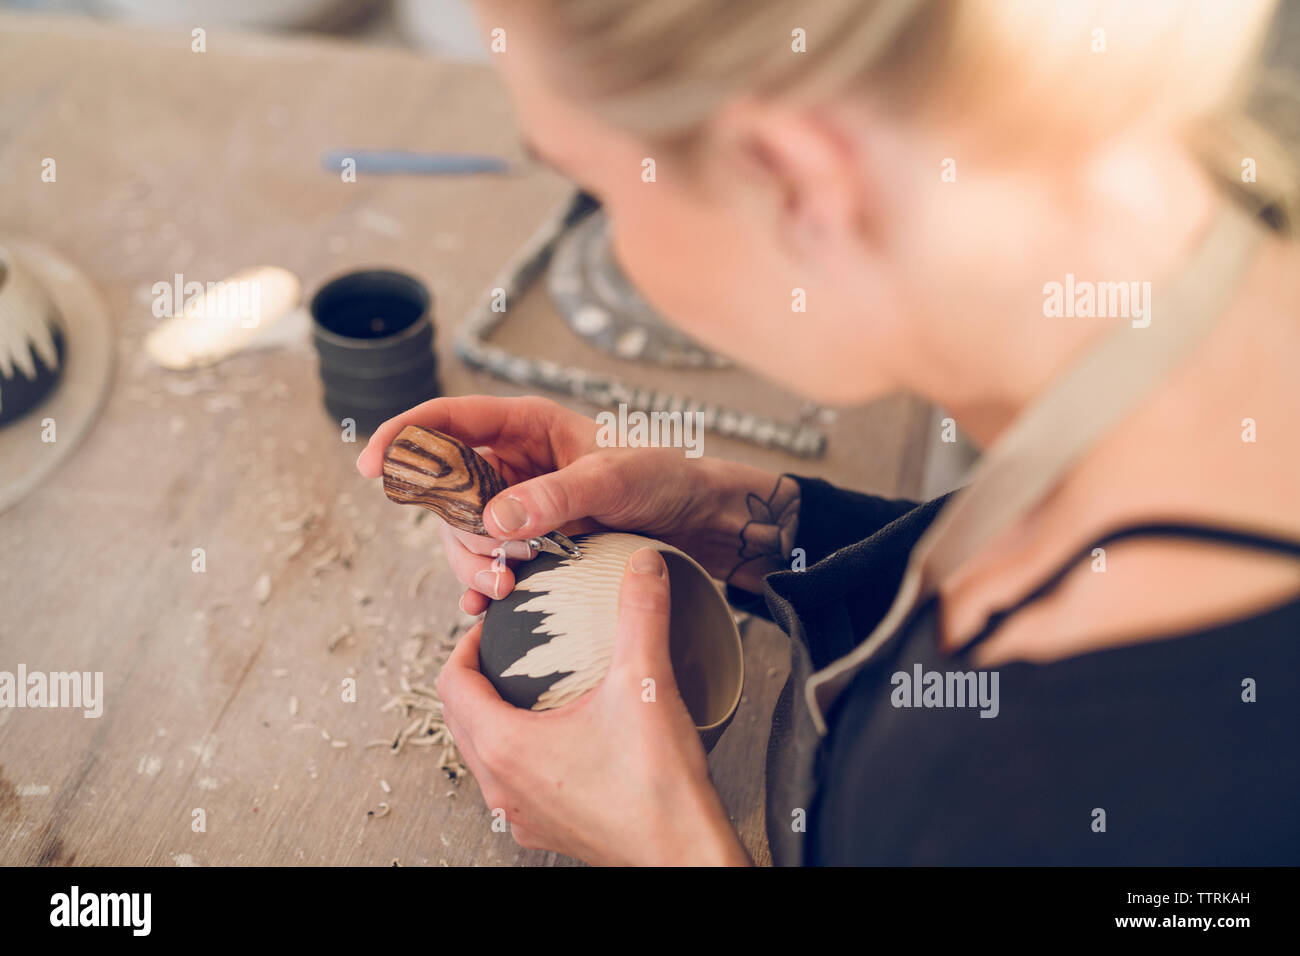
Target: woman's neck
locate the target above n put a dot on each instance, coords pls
(1214, 444)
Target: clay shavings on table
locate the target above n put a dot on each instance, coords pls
(420, 708)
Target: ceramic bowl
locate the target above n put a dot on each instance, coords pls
(551, 639)
(31, 340)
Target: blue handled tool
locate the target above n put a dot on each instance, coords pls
(398, 162)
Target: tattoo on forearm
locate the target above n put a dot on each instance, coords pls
(767, 538)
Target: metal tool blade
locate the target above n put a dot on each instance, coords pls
(556, 543)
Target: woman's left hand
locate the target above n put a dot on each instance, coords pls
(618, 776)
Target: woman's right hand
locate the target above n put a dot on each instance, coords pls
(560, 479)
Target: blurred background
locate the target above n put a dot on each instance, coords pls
(444, 28)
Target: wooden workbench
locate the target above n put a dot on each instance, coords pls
(171, 161)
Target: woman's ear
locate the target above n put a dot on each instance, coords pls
(798, 168)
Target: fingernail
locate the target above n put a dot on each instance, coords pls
(358, 465)
(647, 561)
(509, 514)
(463, 609)
(489, 582)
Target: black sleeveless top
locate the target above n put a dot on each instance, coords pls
(1177, 751)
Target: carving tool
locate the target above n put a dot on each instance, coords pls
(427, 468)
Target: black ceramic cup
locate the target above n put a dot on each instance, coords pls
(373, 332)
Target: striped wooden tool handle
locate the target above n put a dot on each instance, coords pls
(441, 473)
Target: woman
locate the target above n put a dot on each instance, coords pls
(961, 191)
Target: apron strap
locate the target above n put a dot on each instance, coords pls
(1052, 435)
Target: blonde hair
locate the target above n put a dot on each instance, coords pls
(1032, 71)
